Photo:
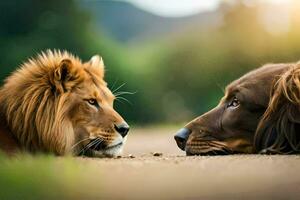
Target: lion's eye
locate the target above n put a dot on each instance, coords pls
(93, 102)
(234, 103)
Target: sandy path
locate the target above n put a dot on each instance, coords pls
(174, 176)
(148, 140)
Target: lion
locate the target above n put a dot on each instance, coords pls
(57, 104)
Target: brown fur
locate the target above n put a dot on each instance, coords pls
(231, 127)
(278, 130)
(44, 104)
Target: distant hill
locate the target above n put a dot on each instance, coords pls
(125, 22)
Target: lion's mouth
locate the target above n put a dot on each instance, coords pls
(114, 146)
(99, 148)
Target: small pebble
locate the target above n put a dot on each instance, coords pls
(157, 154)
(131, 156)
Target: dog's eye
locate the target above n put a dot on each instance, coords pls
(93, 102)
(234, 102)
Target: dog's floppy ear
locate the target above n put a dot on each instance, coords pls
(279, 129)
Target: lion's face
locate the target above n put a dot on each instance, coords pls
(99, 130)
(55, 103)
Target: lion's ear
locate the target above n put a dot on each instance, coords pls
(63, 74)
(97, 63)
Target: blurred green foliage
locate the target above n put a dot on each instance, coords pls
(185, 73)
(176, 77)
(48, 177)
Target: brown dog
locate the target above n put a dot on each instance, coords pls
(259, 113)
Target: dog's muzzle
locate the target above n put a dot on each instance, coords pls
(181, 137)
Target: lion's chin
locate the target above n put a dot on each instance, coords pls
(104, 150)
(108, 152)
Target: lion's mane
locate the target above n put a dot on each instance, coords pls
(35, 104)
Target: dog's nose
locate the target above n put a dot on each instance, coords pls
(122, 128)
(181, 137)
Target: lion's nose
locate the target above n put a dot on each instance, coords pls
(181, 137)
(122, 128)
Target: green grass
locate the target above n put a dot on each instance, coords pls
(43, 177)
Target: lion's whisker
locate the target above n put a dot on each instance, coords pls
(123, 92)
(79, 142)
(113, 86)
(99, 142)
(124, 99)
(88, 146)
(118, 88)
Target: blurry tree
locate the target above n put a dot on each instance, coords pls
(30, 26)
(193, 67)
(176, 77)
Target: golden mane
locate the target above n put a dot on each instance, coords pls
(34, 112)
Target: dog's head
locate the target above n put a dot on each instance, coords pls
(230, 127)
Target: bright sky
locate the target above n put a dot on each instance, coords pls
(181, 8)
(176, 8)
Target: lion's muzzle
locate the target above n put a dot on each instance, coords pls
(122, 129)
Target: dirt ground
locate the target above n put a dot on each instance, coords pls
(141, 175)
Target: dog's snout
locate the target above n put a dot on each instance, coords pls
(181, 137)
(122, 128)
